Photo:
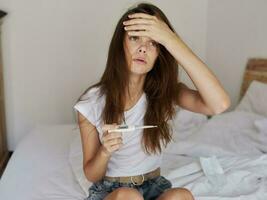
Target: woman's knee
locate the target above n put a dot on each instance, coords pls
(128, 193)
(184, 194)
(177, 194)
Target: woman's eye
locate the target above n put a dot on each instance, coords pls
(134, 38)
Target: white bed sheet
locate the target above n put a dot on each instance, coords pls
(237, 143)
(39, 167)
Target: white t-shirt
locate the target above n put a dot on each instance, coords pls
(130, 159)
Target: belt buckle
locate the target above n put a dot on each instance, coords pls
(136, 183)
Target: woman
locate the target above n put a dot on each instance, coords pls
(140, 87)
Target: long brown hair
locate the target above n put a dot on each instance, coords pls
(160, 85)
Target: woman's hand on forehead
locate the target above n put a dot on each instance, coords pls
(141, 24)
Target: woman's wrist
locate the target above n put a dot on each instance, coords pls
(178, 48)
(104, 152)
(171, 40)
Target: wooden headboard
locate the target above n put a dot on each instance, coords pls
(256, 69)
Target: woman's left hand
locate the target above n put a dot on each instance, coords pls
(141, 24)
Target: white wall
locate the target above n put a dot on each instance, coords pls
(236, 31)
(53, 50)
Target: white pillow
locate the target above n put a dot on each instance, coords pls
(76, 162)
(186, 122)
(261, 125)
(186, 119)
(255, 99)
(226, 134)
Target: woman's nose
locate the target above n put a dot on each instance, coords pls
(142, 48)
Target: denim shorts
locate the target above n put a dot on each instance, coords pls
(150, 189)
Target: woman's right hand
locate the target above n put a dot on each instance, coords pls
(111, 141)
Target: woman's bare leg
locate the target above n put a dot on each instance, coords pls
(124, 193)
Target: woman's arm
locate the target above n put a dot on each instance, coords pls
(95, 160)
(191, 100)
(96, 155)
(211, 97)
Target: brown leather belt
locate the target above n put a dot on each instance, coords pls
(136, 180)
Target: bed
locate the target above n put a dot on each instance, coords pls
(220, 158)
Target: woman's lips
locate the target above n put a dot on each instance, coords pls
(140, 61)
